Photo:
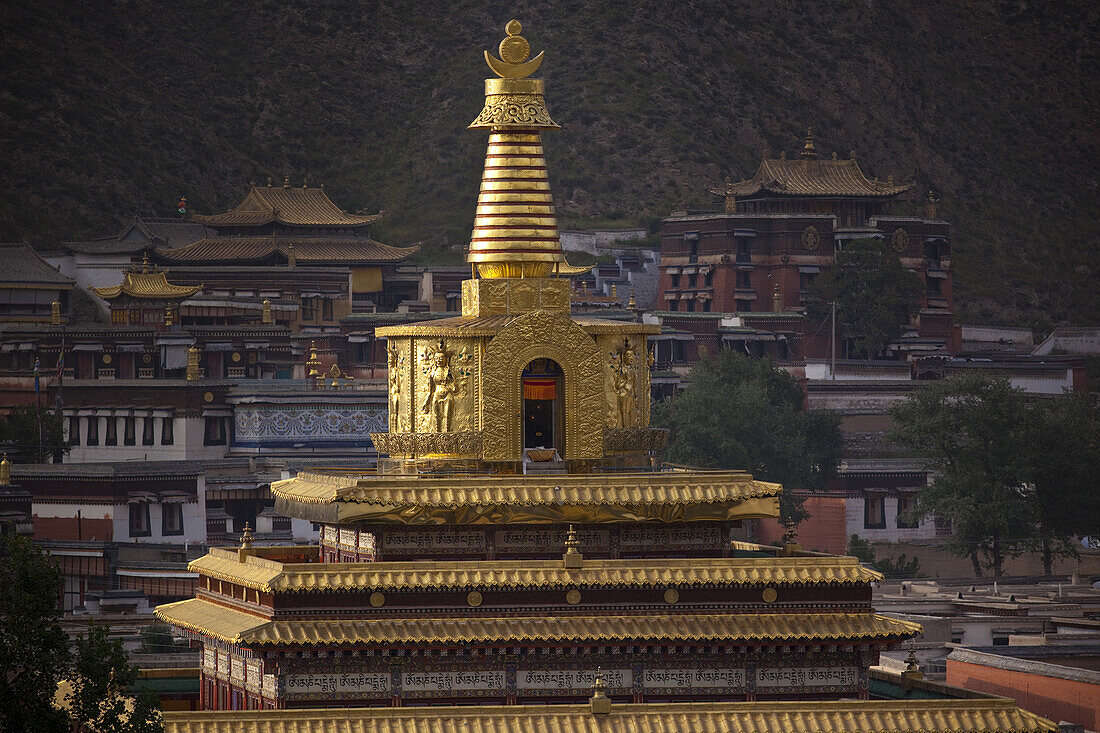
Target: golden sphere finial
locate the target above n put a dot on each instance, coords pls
(514, 49)
(513, 28)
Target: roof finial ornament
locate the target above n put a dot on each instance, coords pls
(808, 150)
(304, 184)
(269, 181)
(601, 703)
(5, 471)
(834, 155)
(931, 205)
(246, 537)
(514, 51)
(286, 181)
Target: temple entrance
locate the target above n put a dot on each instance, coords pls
(542, 414)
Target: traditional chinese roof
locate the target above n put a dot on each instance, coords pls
(147, 283)
(306, 250)
(825, 716)
(23, 267)
(667, 496)
(275, 577)
(811, 177)
(142, 233)
(309, 207)
(237, 627)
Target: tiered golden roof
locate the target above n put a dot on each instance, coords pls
(668, 496)
(306, 250)
(829, 716)
(515, 231)
(287, 205)
(147, 282)
(236, 627)
(275, 577)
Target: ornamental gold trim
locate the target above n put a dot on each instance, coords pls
(465, 443)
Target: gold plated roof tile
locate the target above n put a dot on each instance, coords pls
(830, 716)
(275, 577)
(148, 285)
(811, 177)
(287, 205)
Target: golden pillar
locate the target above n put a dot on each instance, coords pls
(193, 363)
(55, 313)
(266, 319)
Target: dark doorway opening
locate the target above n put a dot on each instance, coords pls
(542, 405)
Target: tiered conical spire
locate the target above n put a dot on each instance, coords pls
(515, 231)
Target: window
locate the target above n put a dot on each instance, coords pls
(692, 280)
(907, 513)
(74, 430)
(692, 240)
(706, 306)
(93, 430)
(166, 431)
(744, 279)
(119, 317)
(309, 309)
(805, 280)
(139, 519)
(171, 519)
(326, 309)
(691, 305)
(215, 431)
(147, 431)
(675, 280)
(874, 512)
(112, 432)
(743, 306)
(708, 279)
(743, 252)
(933, 287)
(129, 430)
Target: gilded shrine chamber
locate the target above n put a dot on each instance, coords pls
(521, 540)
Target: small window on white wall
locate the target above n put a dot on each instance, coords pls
(139, 520)
(172, 519)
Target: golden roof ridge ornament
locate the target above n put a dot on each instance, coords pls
(515, 231)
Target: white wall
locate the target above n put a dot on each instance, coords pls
(187, 443)
(854, 519)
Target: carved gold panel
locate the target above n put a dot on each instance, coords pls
(626, 382)
(537, 335)
(512, 296)
(444, 385)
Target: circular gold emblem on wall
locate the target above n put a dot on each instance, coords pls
(146, 358)
(473, 598)
(106, 358)
(672, 595)
(769, 595)
(899, 240)
(377, 599)
(573, 597)
(810, 238)
(208, 397)
(236, 356)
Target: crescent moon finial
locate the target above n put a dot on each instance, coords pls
(514, 51)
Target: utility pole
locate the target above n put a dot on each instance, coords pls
(832, 344)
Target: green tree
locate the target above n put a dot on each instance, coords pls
(974, 429)
(901, 567)
(1063, 473)
(19, 434)
(738, 412)
(34, 653)
(875, 295)
(36, 658)
(100, 700)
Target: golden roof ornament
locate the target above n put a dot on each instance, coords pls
(5, 471)
(246, 537)
(515, 231)
(600, 702)
(809, 152)
(572, 559)
(931, 206)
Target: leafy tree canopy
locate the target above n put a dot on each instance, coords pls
(35, 658)
(738, 412)
(19, 434)
(875, 296)
(1011, 472)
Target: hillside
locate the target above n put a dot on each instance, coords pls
(111, 108)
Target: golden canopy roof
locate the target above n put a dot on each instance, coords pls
(147, 283)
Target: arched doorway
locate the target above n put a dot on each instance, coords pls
(542, 405)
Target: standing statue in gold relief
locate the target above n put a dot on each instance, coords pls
(439, 401)
(624, 369)
(395, 389)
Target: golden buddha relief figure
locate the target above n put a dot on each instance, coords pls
(440, 395)
(396, 362)
(624, 373)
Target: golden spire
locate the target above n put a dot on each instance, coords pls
(808, 150)
(515, 230)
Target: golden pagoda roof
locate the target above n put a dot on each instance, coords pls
(668, 496)
(824, 716)
(237, 627)
(275, 577)
(472, 326)
(287, 205)
(306, 250)
(810, 177)
(147, 282)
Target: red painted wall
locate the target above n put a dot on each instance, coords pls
(1051, 697)
(824, 530)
